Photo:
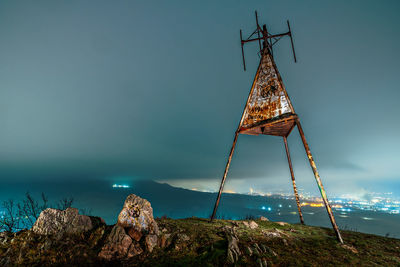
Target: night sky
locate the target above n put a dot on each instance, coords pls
(123, 90)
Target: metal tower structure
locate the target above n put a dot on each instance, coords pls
(269, 111)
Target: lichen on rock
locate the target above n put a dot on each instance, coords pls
(136, 217)
(135, 232)
(58, 222)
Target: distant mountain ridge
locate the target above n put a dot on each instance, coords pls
(105, 201)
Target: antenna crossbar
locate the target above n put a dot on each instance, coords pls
(266, 37)
(269, 40)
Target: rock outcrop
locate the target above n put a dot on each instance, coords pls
(233, 251)
(5, 237)
(119, 245)
(251, 224)
(135, 232)
(282, 223)
(136, 217)
(59, 222)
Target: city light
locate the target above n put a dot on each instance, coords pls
(314, 205)
(366, 218)
(379, 202)
(120, 186)
(345, 209)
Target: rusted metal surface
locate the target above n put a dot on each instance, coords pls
(221, 187)
(296, 194)
(269, 110)
(268, 99)
(319, 183)
(278, 126)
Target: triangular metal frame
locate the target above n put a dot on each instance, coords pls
(281, 125)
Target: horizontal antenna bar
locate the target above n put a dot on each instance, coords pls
(268, 37)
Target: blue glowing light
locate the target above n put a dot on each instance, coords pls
(120, 186)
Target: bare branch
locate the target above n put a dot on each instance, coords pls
(9, 221)
(65, 203)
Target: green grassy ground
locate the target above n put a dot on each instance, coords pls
(196, 242)
(279, 245)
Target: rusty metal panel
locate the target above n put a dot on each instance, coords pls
(281, 127)
(268, 99)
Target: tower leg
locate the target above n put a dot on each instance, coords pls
(319, 182)
(221, 187)
(293, 180)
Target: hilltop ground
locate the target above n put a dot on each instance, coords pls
(196, 242)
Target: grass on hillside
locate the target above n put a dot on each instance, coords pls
(197, 242)
(282, 245)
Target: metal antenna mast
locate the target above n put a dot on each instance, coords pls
(269, 39)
